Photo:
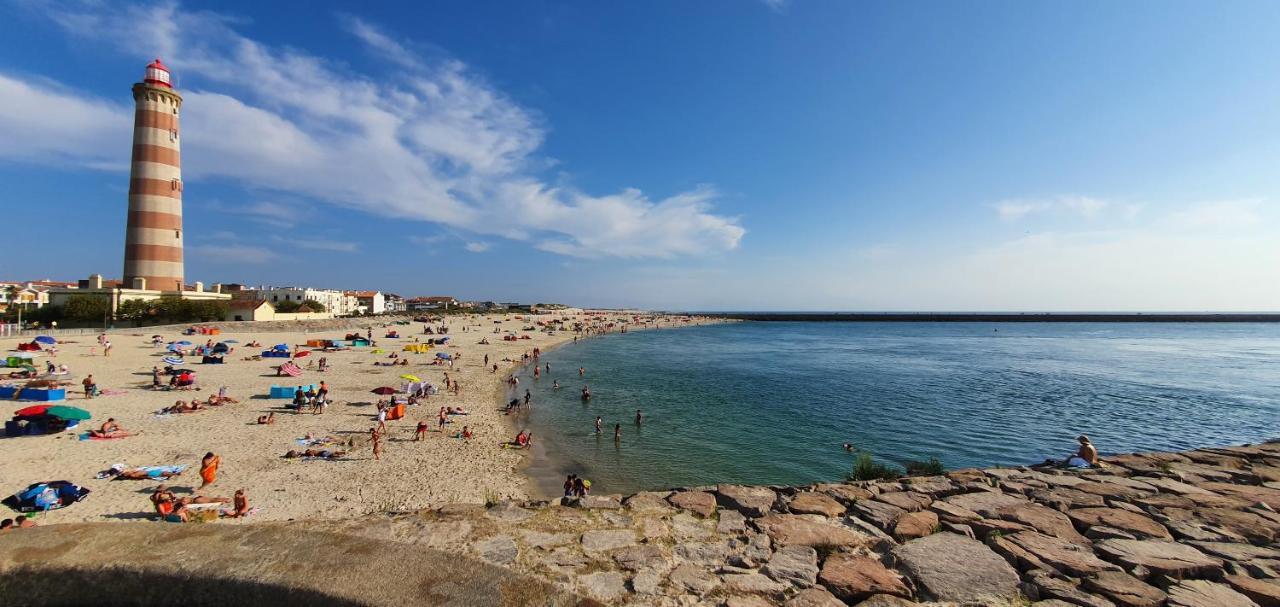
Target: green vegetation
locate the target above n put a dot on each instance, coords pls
(867, 469)
(86, 308)
(290, 307)
(930, 467)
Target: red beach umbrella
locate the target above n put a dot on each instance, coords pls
(32, 410)
(384, 390)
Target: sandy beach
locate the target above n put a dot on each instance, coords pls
(411, 474)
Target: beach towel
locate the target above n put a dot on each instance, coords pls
(112, 392)
(87, 436)
(173, 360)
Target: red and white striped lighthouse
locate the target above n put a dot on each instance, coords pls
(153, 241)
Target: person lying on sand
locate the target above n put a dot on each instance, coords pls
(320, 453)
(109, 429)
(119, 472)
(166, 502)
(183, 407)
(269, 418)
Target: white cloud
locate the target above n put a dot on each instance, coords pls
(428, 240)
(1222, 214)
(1079, 206)
(777, 6)
(477, 247)
(436, 143)
(308, 242)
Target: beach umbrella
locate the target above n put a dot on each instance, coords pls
(444, 355)
(230, 341)
(155, 336)
(173, 360)
(45, 339)
(182, 343)
(384, 390)
(410, 377)
(66, 412)
(32, 410)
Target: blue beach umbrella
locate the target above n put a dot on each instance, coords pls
(444, 355)
(181, 343)
(45, 339)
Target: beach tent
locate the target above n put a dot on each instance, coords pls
(221, 348)
(45, 339)
(173, 360)
(51, 495)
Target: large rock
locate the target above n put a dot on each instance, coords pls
(751, 501)
(1062, 498)
(753, 583)
(694, 579)
(1132, 522)
(603, 586)
(935, 486)
(914, 525)
(1048, 586)
(987, 503)
(509, 512)
(1066, 557)
(1265, 594)
(854, 577)
(797, 565)
(845, 494)
(887, 600)
(607, 539)
(952, 513)
(950, 567)
(731, 522)
(1124, 589)
(1160, 558)
(500, 549)
(648, 501)
(1252, 494)
(815, 503)
(878, 513)
(907, 500)
(1255, 528)
(1199, 593)
(698, 502)
(636, 558)
(814, 597)
(808, 530)
(1043, 519)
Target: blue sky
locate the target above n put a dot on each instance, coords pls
(682, 155)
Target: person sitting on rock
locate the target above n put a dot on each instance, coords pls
(1086, 456)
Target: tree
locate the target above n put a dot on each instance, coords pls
(87, 308)
(136, 310)
(311, 305)
(287, 307)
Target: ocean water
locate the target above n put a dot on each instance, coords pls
(773, 402)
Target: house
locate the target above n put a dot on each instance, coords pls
(115, 292)
(261, 309)
(394, 303)
(333, 301)
(419, 304)
(28, 295)
(369, 302)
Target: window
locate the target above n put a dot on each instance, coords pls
(177, 233)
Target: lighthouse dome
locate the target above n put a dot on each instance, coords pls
(157, 74)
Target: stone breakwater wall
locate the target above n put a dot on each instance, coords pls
(1191, 529)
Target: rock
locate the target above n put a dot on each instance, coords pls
(600, 502)
(1124, 589)
(750, 501)
(1160, 558)
(934, 486)
(914, 525)
(1065, 499)
(950, 567)
(907, 500)
(1049, 587)
(1063, 556)
(1199, 593)
(698, 502)
(731, 522)
(648, 501)
(815, 503)
(845, 494)
(1255, 528)
(687, 526)
(710, 554)
(808, 530)
(887, 600)
(880, 514)
(1232, 551)
(566, 557)
(987, 504)
(852, 577)
(967, 475)
(460, 509)
(509, 512)
(988, 526)
(500, 549)
(607, 539)
(693, 578)
(797, 565)
(1176, 486)
(1137, 524)
(746, 601)
(647, 581)
(752, 583)
(1052, 603)
(814, 597)
(636, 558)
(1265, 594)
(869, 529)
(1103, 532)
(653, 529)
(952, 513)
(1043, 519)
(603, 586)
(546, 541)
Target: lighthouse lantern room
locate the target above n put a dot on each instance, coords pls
(157, 74)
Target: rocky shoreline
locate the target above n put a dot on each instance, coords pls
(1191, 529)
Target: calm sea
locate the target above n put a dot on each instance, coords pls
(773, 402)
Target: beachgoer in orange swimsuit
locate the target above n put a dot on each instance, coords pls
(209, 469)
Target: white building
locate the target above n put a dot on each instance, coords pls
(394, 303)
(369, 302)
(334, 302)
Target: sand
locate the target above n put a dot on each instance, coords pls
(411, 475)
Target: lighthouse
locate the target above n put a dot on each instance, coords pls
(153, 239)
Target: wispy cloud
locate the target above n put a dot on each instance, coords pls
(232, 253)
(313, 244)
(428, 240)
(1228, 214)
(437, 143)
(477, 247)
(1079, 206)
(777, 6)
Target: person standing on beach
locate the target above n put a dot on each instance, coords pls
(376, 440)
(209, 469)
(106, 348)
(382, 417)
